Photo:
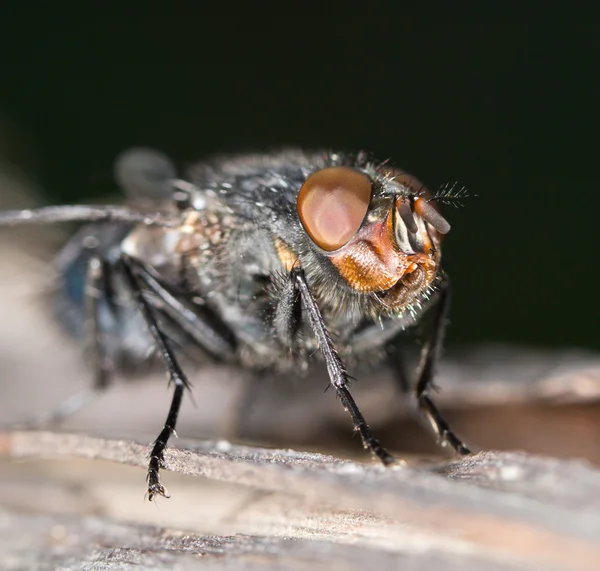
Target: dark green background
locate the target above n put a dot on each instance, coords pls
(503, 99)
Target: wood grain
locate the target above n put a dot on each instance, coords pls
(496, 510)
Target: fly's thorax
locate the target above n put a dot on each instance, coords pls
(193, 242)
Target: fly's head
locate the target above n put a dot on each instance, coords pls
(379, 228)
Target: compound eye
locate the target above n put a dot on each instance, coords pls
(332, 204)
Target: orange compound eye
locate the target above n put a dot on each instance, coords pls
(332, 204)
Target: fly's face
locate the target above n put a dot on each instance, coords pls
(379, 228)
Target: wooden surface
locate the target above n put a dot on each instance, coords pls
(287, 509)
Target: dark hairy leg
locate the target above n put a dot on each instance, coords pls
(430, 355)
(337, 373)
(203, 326)
(176, 377)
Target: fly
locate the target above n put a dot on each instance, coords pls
(258, 260)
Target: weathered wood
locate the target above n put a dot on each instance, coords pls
(508, 510)
(71, 544)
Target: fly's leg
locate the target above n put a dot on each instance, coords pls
(205, 328)
(288, 315)
(96, 289)
(335, 368)
(95, 350)
(176, 377)
(429, 358)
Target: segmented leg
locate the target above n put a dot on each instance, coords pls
(176, 377)
(202, 325)
(430, 355)
(95, 290)
(335, 368)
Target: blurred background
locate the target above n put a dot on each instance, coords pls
(502, 99)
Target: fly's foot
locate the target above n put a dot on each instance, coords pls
(448, 438)
(155, 488)
(444, 433)
(462, 449)
(385, 457)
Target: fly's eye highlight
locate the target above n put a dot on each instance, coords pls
(332, 204)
